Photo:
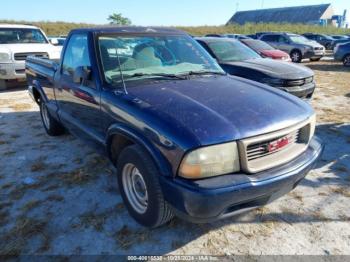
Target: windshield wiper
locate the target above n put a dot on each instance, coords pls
(205, 73)
(157, 75)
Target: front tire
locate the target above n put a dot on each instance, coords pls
(346, 61)
(296, 56)
(140, 189)
(51, 125)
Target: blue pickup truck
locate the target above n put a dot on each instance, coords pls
(186, 138)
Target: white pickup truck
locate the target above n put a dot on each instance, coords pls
(16, 43)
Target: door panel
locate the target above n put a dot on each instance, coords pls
(79, 103)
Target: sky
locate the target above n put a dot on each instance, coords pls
(146, 12)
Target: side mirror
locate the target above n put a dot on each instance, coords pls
(54, 41)
(82, 74)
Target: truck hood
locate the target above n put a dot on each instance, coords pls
(53, 51)
(217, 109)
(275, 69)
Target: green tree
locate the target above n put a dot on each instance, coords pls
(118, 19)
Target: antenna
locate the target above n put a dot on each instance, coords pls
(121, 74)
(237, 6)
(262, 4)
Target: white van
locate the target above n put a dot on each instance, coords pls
(16, 43)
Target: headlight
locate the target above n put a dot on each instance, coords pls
(4, 57)
(210, 161)
(308, 48)
(312, 126)
(273, 82)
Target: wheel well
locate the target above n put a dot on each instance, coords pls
(36, 95)
(348, 54)
(294, 51)
(116, 143)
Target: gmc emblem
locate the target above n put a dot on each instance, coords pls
(278, 144)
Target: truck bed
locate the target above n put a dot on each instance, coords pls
(43, 67)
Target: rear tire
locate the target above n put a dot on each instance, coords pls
(138, 180)
(346, 61)
(51, 125)
(296, 56)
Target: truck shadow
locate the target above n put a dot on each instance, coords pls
(91, 208)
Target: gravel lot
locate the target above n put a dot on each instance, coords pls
(60, 197)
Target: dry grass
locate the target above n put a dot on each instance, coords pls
(40, 165)
(56, 198)
(4, 205)
(14, 241)
(86, 174)
(332, 80)
(341, 190)
(7, 185)
(2, 142)
(19, 191)
(30, 205)
(9, 153)
(4, 214)
(96, 220)
(126, 237)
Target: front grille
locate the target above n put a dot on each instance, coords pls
(273, 149)
(299, 82)
(263, 149)
(20, 71)
(23, 56)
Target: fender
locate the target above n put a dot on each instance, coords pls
(160, 161)
(37, 87)
(51, 105)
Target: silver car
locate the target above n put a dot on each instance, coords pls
(297, 46)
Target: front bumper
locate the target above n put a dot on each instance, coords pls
(304, 92)
(10, 71)
(219, 197)
(314, 54)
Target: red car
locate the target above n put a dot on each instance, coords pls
(265, 50)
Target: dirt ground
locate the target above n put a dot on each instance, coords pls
(57, 196)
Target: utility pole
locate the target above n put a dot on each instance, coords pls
(237, 6)
(262, 4)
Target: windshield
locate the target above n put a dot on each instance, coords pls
(21, 36)
(151, 56)
(258, 45)
(230, 51)
(298, 39)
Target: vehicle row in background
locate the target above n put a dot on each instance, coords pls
(328, 41)
(239, 60)
(17, 42)
(297, 46)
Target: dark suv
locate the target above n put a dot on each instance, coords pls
(325, 40)
(297, 46)
(239, 60)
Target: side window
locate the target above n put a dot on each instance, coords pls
(282, 39)
(76, 54)
(270, 38)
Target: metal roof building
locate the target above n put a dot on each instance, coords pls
(312, 14)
